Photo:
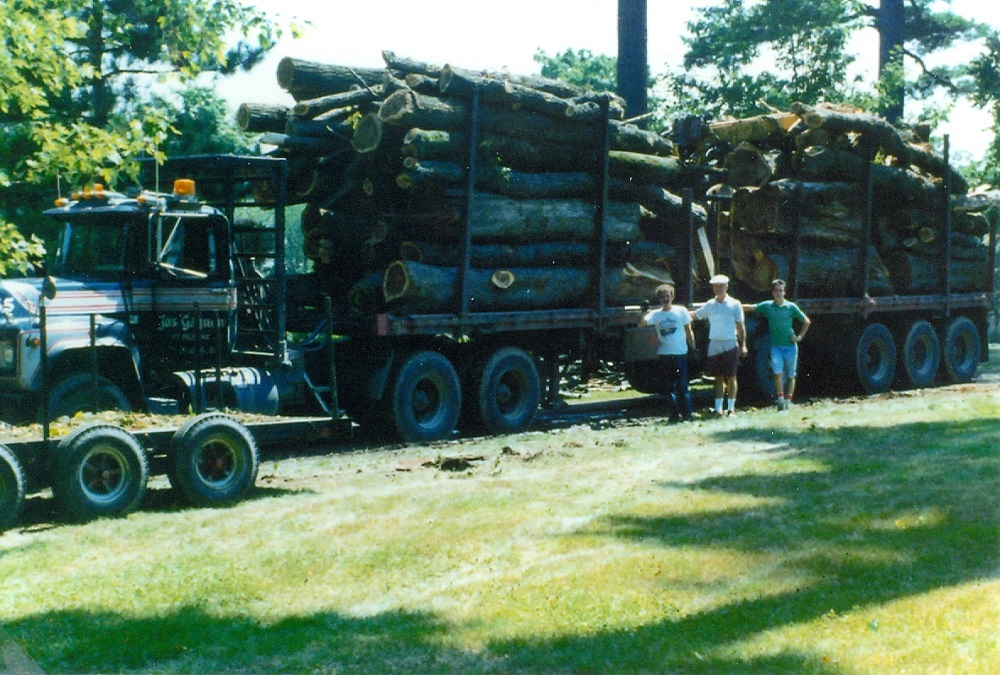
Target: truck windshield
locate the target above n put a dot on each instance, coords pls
(90, 248)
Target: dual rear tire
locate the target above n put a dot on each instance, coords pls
(425, 396)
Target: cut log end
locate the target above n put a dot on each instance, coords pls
(395, 281)
(367, 134)
(503, 279)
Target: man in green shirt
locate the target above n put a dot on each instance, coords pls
(780, 315)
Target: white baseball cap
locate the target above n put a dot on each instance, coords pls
(719, 279)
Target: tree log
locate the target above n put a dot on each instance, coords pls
(645, 168)
(409, 109)
(549, 254)
(256, 118)
(762, 128)
(924, 158)
(416, 288)
(829, 214)
(747, 166)
(505, 93)
(912, 273)
(308, 80)
(879, 131)
(891, 184)
(826, 272)
(315, 106)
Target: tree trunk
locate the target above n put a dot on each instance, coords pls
(891, 184)
(760, 129)
(355, 96)
(912, 273)
(510, 220)
(255, 118)
(507, 94)
(828, 213)
(645, 168)
(408, 109)
(876, 129)
(550, 254)
(826, 272)
(308, 80)
(416, 288)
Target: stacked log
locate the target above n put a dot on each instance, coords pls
(804, 173)
(380, 158)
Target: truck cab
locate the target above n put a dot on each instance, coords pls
(142, 284)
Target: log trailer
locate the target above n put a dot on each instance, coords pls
(165, 304)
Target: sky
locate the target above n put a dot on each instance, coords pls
(479, 35)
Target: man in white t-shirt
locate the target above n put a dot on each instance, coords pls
(727, 341)
(673, 328)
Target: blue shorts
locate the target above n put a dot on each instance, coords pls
(785, 360)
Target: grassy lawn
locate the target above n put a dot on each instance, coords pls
(852, 536)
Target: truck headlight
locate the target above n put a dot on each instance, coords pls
(8, 356)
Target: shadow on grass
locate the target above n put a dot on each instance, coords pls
(894, 512)
(197, 640)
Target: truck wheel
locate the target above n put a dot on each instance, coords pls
(12, 483)
(214, 460)
(508, 391)
(426, 397)
(75, 394)
(875, 358)
(921, 355)
(960, 355)
(101, 471)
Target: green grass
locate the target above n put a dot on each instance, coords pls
(848, 536)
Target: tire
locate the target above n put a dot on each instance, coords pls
(921, 355)
(875, 358)
(213, 460)
(12, 482)
(508, 391)
(101, 472)
(425, 397)
(960, 353)
(74, 394)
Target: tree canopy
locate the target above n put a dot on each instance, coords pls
(741, 52)
(91, 86)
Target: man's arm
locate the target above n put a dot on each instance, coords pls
(805, 327)
(741, 336)
(690, 335)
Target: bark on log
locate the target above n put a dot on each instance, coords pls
(924, 158)
(645, 168)
(315, 106)
(408, 109)
(416, 288)
(307, 79)
(496, 218)
(549, 254)
(511, 152)
(747, 166)
(879, 131)
(891, 184)
(761, 129)
(257, 118)
(822, 272)
(544, 84)
(912, 273)
(828, 213)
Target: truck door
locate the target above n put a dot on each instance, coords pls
(194, 295)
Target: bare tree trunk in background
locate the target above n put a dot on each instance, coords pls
(633, 69)
(891, 38)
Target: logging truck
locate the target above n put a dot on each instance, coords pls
(172, 303)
